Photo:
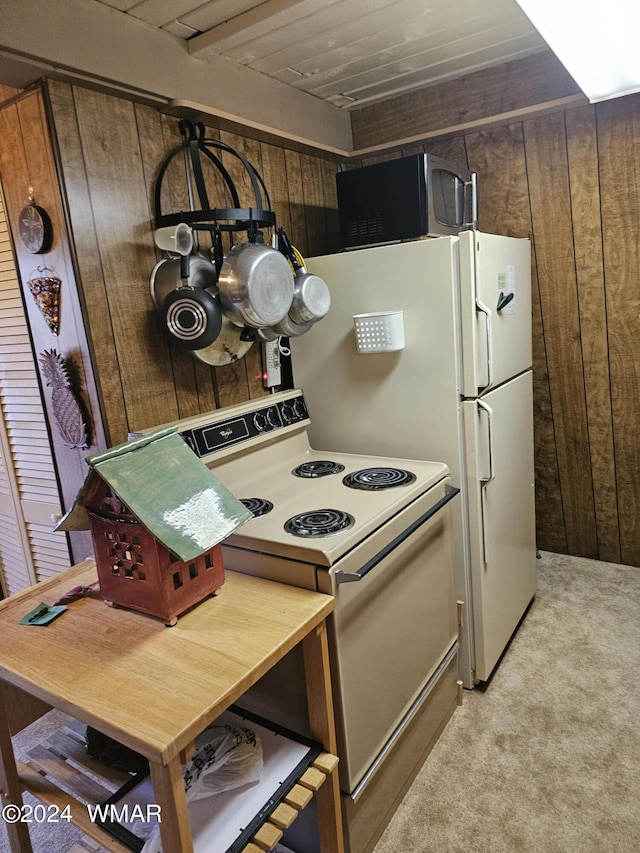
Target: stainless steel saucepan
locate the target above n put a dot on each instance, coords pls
(311, 296)
(256, 285)
(287, 328)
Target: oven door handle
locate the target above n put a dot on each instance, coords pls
(349, 577)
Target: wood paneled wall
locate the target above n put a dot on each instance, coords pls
(567, 178)
(93, 159)
(110, 152)
(570, 180)
(497, 94)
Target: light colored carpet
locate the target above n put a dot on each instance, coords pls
(546, 759)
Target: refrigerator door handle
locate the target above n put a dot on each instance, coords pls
(489, 411)
(485, 480)
(481, 307)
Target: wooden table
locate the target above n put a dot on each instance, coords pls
(155, 688)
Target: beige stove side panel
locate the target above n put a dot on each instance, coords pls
(279, 695)
(267, 566)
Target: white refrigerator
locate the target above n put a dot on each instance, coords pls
(459, 392)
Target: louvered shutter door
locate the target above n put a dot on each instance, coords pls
(29, 549)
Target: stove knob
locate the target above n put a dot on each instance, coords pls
(273, 418)
(260, 421)
(189, 441)
(299, 409)
(288, 413)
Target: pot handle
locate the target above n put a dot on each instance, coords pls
(285, 247)
(217, 251)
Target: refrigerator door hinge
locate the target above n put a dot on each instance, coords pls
(460, 614)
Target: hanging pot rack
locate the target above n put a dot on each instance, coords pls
(253, 284)
(250, 219)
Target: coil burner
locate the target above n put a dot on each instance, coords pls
(374, 479)
(319, 522)
(318, 468)
(258, 506)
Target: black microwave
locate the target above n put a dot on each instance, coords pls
(405, 198)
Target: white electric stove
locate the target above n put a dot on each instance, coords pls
(374, 532)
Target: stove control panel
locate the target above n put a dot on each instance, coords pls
(269, 417)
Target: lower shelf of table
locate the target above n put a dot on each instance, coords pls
(251, 819)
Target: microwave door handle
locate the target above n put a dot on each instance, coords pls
(349, 577)
(471, 192)
(482, 308)
(474, 199)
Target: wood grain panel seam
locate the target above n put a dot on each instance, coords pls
(98, 260)
(590, 425)
(606, 309)
(579, 321)
(544, 342)
(621, 127)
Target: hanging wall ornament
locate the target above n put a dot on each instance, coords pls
(66, 408)
(34, 227)
(45, 289)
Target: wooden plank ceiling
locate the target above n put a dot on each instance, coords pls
(347, 52)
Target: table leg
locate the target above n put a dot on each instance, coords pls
(168, 789)
(321, 719)
(10, 788)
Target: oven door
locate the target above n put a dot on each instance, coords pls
(395, 621)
